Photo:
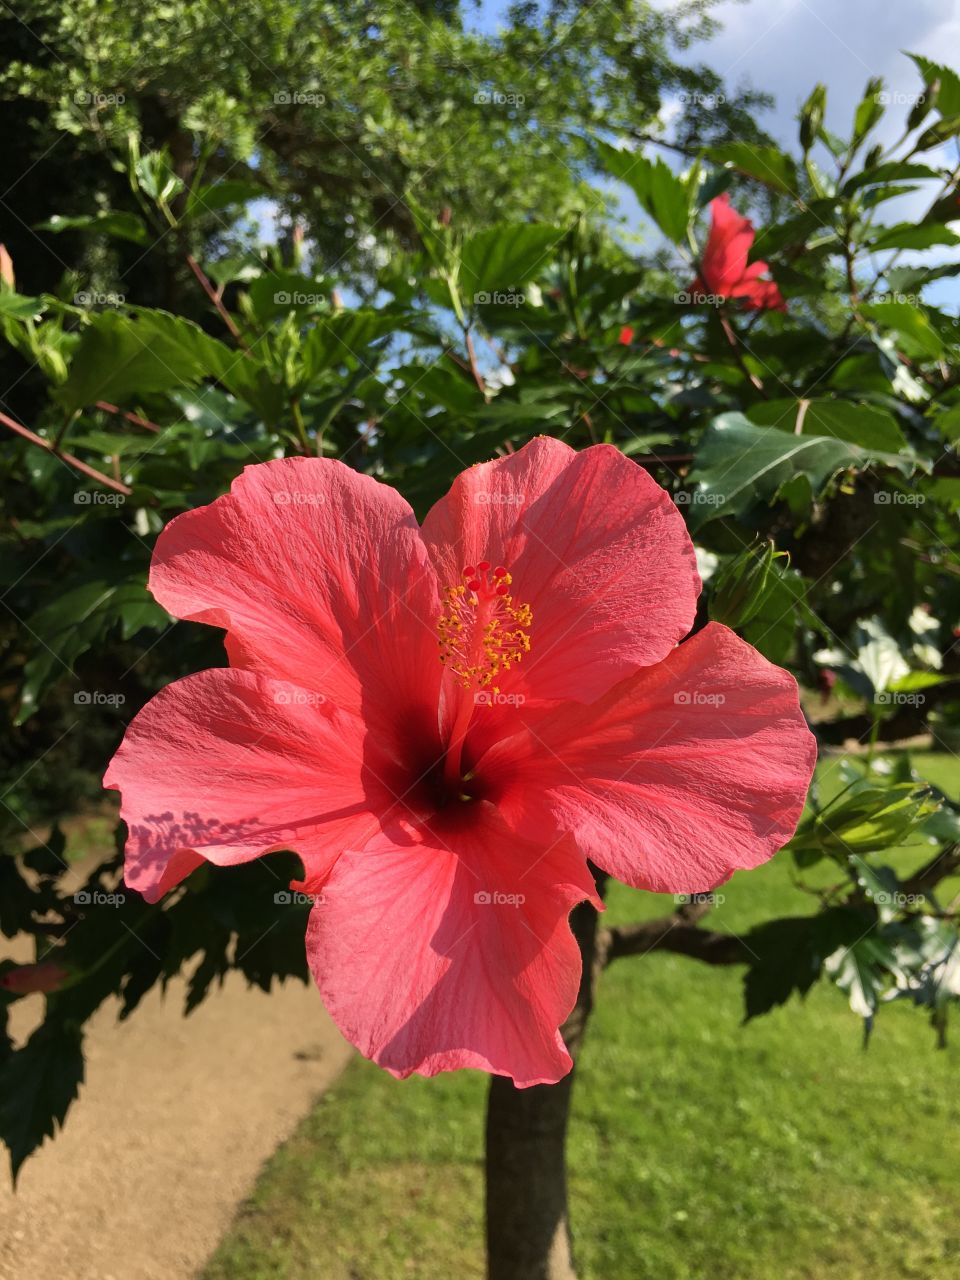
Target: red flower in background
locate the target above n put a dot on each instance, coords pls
(724, 272)
(28, 978)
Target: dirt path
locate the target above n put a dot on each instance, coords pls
(173, 1123)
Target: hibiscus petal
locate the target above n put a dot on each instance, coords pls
(595, 547)
(319, 576)
(227, 765)
(756, 292)
(728, 244)
(678, 777)
(454, 950)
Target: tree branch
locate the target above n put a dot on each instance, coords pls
(678, 933)
(68, 458)
(931, 873)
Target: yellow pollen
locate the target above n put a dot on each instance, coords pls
(484, 630)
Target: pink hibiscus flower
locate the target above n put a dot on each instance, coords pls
(445, 723)
(724, 272)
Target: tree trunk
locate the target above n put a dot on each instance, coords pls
(528, 1235)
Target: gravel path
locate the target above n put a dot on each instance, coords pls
(173, 1123)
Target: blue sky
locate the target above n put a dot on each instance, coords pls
(785, 46)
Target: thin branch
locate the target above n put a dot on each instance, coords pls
(931, 873)
(133, 418)
(71, 461)
(215, 298)
(672, 933)
(731, 335)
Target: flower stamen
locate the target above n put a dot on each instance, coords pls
(484, 630)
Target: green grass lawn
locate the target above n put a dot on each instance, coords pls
(700, 1149)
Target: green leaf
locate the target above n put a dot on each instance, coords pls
(16, 306)
(890, 171)
(767, 164)
(156, 177)
(120, 358)
(220, 195)
(880, 884)
(738, 464)
(505, 257)
(37, 1085)
(907, 235)
(865, 818)
(660, 192)
(336, 339)
(938, 133)
(948, 94)
(869, 110)
(860, 969)
(860, 424)
(912, 323)
(125, 226)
